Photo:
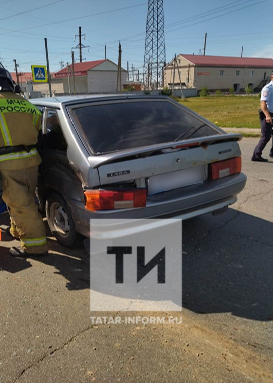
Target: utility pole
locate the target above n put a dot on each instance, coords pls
(182, 96)
(174, 63)
(73, 71)
(68, 77)
(242, 51)
(105, 52)
(128, 71)
(205, 44)
(133, 72)
(80, 46)
(119, 69)
(163, 74)
(48, 71)
(16, 66)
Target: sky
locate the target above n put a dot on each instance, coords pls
(229, 24)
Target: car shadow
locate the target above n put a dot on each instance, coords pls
(227, 265)
(230, 267)
(73, 264)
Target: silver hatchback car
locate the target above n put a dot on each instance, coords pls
(127, 157)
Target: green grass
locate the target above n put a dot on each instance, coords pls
(227, 111)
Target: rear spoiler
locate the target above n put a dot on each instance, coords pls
(99, 160)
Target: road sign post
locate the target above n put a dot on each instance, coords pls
(47, 63)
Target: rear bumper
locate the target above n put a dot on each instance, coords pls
(183, 203)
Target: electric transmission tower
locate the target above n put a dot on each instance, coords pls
(155, 54)
(80, 46)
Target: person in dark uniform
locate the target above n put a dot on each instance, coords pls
(266, 115)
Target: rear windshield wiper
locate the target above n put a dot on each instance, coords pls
(185, 136)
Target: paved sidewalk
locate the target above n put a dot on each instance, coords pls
(244, 131)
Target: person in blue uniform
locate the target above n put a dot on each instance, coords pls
(266, 115)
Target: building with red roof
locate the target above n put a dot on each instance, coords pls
(27, 85)
(218, 72)
(24, 79)
(98, 76)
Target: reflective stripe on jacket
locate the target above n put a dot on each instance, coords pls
(20, 122)
(18, 155)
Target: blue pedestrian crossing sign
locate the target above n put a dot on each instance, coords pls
(39, 73)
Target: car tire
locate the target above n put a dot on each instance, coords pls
(60, 220)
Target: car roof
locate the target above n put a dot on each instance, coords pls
(61, 100)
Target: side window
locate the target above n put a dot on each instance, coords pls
(55, 138)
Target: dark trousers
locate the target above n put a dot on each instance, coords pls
(266, 135)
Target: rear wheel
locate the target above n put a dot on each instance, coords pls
(60, 221)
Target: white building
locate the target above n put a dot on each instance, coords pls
(91, 77)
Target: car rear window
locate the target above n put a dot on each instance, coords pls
(115, 126)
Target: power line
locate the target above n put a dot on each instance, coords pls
(207, 13)
(8, 1)
(214, 17)
(32, 33)
(84, 17)
(210, 12)
(30, 10)
(130, 38)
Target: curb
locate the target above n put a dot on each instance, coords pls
(244, 132)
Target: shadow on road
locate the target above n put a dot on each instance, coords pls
(227, 265)
(229, 269)
(11, 264)
(73, 264)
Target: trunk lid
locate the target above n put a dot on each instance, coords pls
(189, 163)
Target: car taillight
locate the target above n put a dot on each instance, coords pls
(110, 199)
(225, 168)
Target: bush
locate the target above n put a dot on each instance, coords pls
(129, 89)
(218, 93)
(248, 89)
(166, 91)
(204, 92)
(231, 91)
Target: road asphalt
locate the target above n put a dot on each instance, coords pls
(227, 330)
